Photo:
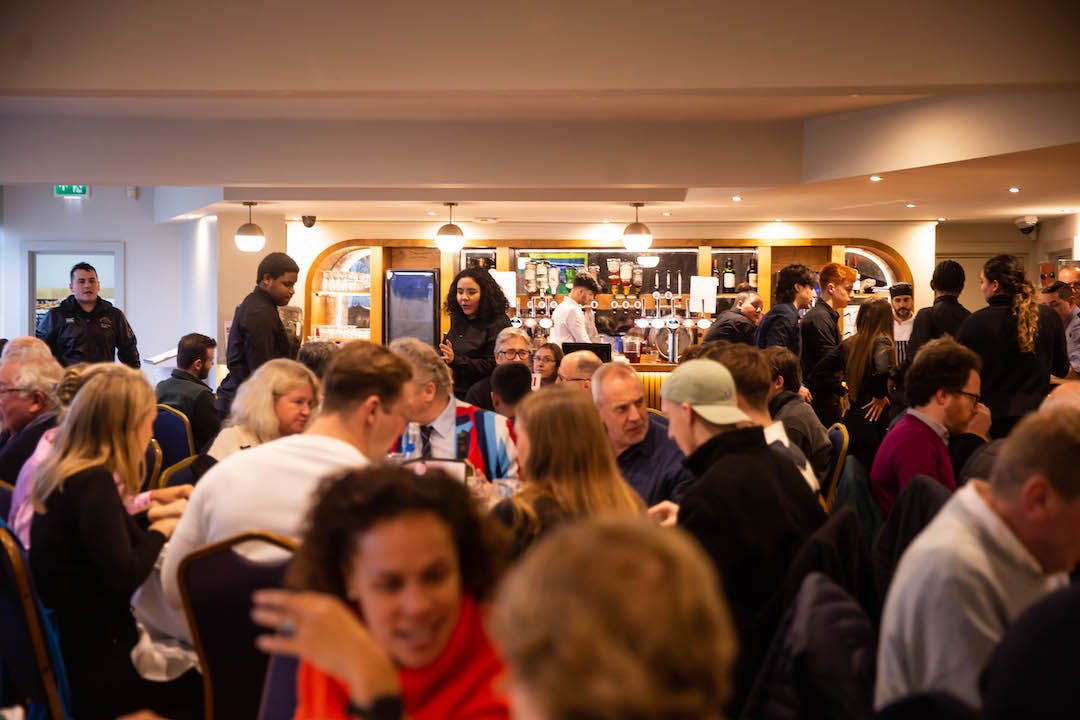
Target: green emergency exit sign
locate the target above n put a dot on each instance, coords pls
(71, 191)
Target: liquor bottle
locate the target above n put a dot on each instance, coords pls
(751, 273)
(857, 288)
(715, 268)
(729, 276)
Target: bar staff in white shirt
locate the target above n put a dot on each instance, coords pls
(569, 317)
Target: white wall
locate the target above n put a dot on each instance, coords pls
(972, 244)
(1058, 235)
(152, 274)
(236, 270)
(913, 240)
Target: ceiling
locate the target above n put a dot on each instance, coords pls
(973, 190)
(555, 112)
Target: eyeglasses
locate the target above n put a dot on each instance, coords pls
(975, 397)
(567, 379)
(516, 354)
(11, 390)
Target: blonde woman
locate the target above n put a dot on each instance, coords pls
(566, 466)
(159, 503)
(1020, 342)
(277, 400)
(88, 553)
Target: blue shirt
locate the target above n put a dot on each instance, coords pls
(1072, 338)
(654, 467)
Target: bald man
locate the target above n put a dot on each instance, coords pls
(1064, 395)
(25, 346)
(577, 368)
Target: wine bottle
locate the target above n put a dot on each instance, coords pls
(751, 273)
(729, 276)
(715, 268)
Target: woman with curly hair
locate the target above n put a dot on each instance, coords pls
(1020, 342)
(392, 576)
(867, 362)
(477, 309)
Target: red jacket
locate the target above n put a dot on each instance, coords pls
(459, 685)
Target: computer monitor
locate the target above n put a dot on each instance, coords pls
(602, 350)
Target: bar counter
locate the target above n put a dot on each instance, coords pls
(653, 375)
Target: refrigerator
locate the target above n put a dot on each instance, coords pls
(411, 305)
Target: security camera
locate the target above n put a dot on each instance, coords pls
(1026, 224)
(309, 220)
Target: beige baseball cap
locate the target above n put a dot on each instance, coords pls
(709, 389)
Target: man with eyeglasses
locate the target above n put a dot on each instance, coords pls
(577, 368)
(28, 406)
(943, 390)
(511, 345)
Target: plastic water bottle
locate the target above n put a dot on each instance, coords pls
(410, 442)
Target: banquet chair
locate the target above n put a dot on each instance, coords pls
(279, 689)
(216, 583)
(839, 439)
(29, 644)
(153, 465)
(173, 431)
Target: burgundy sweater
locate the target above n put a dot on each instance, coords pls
(911, 448)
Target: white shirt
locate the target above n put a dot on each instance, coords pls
(901, 329)
(443, 436)
(231, 439)
(268, 487)
(957, 588)
(569, 323)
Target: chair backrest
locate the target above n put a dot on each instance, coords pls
(216, 584)
(153, 465)
(840, 441)
(175, 475)
(821, 661)
(6, 491)
(173, 430)
(915, 507)
(853, 491)
(31, 656)
(279, 689)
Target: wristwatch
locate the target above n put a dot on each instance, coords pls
(385, 707)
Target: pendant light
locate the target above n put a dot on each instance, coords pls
(249, 236)
(450, 238)
(648, 261)
(637, 237)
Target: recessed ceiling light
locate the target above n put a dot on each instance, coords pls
(911, 205)
(1014, 189)
(875, 178)
(941, 219)
(778, 220)
(432, 213)
(736, 198)
(666, 214)
(606, 222)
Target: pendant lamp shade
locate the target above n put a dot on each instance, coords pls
(249, 236)
(637, 237)
(648, 261)
(450, 238)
